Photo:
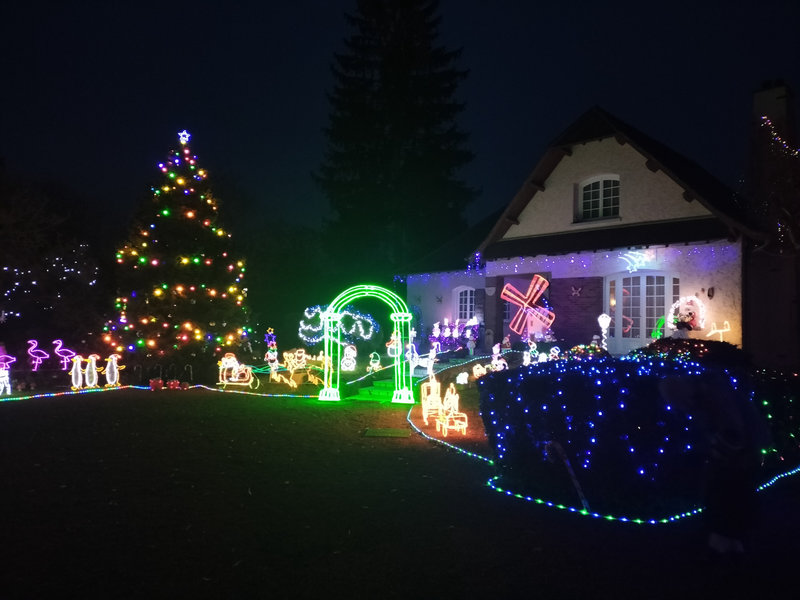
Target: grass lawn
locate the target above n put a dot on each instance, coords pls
(200, 494)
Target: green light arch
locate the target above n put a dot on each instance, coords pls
(401, 319)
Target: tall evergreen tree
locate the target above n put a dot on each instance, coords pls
(390, 170)
(180, 285)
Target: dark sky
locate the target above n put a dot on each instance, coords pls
(93, 94)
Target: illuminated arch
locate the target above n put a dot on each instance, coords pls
(401, 319)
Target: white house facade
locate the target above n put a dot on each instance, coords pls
(617, 224)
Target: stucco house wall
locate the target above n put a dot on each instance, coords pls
(645, 196)
(710, 272)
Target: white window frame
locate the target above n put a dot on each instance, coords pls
(470, 304)
(608, 202)
(632, 322)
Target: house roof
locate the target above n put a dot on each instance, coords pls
(596, 124)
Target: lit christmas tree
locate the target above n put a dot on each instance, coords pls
(179, 284)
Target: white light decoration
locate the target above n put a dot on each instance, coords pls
(374, 362)
(112, 370)
(65, 354)
(392, 347)
(5, 378)
(428, 362)
(349, 359)
(691, 304)
(449, 416)
(231, 372)
(37, 354)
(604, 321)
(462, 378)
(726, 327)
(555, 352)
(184, 136)
(412, 356)
(634, 260)
(498, 362)
(361, 326)
(90, 371)
(479, 370)
(76, 374)
(431, 397)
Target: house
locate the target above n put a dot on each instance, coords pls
(617, 224)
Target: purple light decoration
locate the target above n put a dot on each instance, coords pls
(6, 360)
(37, 354)
(64, 353)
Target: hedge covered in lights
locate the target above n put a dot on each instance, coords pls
(599, 429)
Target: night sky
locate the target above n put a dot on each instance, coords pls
(93, 95)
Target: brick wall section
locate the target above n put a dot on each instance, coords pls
(577, 302)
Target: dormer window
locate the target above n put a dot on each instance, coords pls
(599, 198)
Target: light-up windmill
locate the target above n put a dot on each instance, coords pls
(527, 304)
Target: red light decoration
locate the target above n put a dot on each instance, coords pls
(527, 304)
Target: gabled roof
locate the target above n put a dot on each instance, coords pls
(596, 124)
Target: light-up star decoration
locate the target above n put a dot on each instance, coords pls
(527, 304)
(184, 136)
(634, 260)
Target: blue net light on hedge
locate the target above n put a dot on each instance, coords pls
(621, 447)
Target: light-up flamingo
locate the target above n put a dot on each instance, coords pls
(37, 354)
(64, 353)
(91, 370)
(5, 365)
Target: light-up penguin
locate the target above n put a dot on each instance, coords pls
(112, 370)
(91, 370)
(5, 379)
(349, 359)
(76, 374)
